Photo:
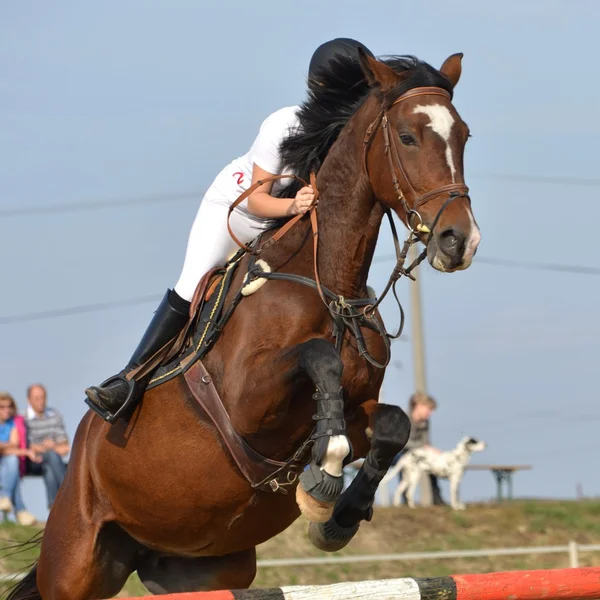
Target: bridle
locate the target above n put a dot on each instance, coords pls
(456, 190)
(350, 313)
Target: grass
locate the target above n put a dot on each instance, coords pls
(518, 523)
(512, 524)
(18, 547)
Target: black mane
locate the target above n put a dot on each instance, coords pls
(330, 106)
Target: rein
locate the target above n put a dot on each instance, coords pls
(314, 223)
(351, 314)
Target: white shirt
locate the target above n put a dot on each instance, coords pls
(236, 177)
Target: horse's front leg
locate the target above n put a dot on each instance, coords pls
(322, 482)
(391, 428)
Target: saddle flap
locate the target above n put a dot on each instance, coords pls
(204, 289)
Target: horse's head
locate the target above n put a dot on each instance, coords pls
(414, 156)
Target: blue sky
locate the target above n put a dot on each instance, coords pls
(133, 98)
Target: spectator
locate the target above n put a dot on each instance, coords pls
(48, 438)
(12, 449)
(420, 409)
(22, 436)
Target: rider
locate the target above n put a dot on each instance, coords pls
(209, 243)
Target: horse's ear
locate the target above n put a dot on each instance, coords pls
(378, 74)
(452, 68)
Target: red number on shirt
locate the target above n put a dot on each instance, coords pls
(240, 177)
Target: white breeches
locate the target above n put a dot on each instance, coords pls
(210, 244)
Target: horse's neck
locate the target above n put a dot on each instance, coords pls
(349, 216)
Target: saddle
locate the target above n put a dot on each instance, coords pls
(204, 325)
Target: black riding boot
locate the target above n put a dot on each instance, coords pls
(112, 397)
(435, 490)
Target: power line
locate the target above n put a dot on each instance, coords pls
(99, 306)
(503, 262)
(75, 310)
(178, 196)
(81, 206)
(557, 179)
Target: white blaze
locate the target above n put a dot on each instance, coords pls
(440, 121)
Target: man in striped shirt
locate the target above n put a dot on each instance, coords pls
(47, 437)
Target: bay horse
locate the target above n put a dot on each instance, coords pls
(159, 493)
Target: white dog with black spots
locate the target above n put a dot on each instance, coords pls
(448, 465)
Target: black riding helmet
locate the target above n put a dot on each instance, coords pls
(327, 52)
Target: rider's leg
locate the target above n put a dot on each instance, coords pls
(209, 245)
(168, 320)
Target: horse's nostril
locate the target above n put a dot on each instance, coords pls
(449, 236)
(451, 241)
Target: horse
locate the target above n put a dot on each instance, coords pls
(159, 493)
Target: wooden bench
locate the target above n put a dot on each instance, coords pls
(502, 473)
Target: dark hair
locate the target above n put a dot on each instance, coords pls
(331, 105)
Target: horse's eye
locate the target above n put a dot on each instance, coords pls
(408, 140)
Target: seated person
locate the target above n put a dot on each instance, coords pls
(11, 450)
(47, 438)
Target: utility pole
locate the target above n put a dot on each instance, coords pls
(420, 380)
(417, 327)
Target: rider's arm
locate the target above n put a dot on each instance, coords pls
(267, 161)
(262, 204)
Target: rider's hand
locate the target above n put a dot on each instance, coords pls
(303, 200)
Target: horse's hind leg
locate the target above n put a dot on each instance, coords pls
(391, 429)
(83, 561)
(171, 574)
(322, 483)
(82, 557)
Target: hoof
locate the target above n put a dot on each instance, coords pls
(311, 509)
(329, 536)
(317, 493)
